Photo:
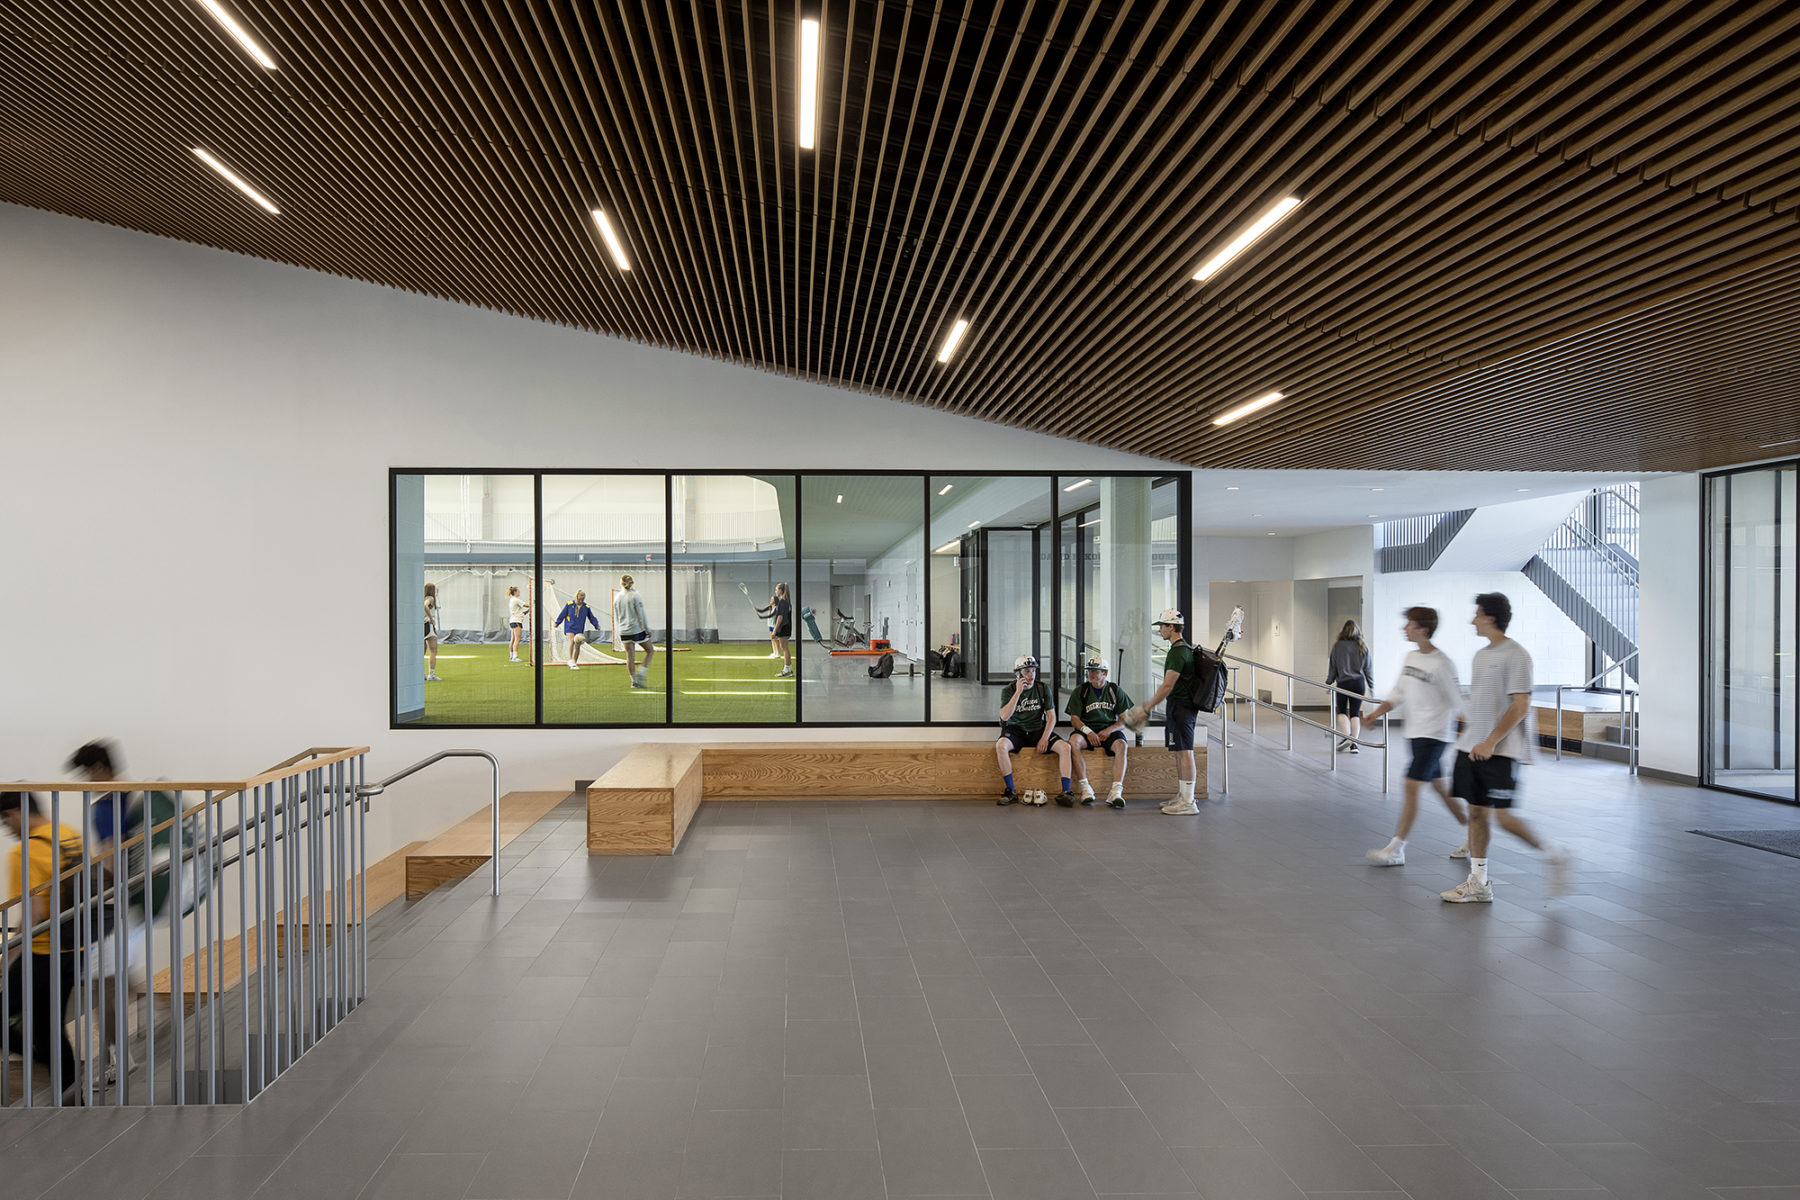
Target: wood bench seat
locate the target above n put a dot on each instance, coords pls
(645, 803)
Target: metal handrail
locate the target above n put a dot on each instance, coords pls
(1287, 712)
(1625, 692)
(364, 791)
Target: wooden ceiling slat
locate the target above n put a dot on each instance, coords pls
(1607, 190)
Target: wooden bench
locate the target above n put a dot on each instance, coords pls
(645, 803)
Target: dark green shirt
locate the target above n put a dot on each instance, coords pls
(1181, 658)
(1098, 709)
(1032, 711)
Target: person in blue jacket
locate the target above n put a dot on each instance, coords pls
(574, 620)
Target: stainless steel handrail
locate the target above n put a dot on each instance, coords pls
(1627, 725)
(1287, 712)
(364, 791)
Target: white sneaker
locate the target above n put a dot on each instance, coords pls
(1469, 892)
(1461, 851)
(512, 658)
(1087, 790)
(573, 667)
(1387, 858)
(432, 678)
(1038, 799)
(774, 654)
(1352, 748)
(1181, 808)
(784, 674)
(1115, 798)
(1559, 873)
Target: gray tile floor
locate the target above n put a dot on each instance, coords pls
(912, 999)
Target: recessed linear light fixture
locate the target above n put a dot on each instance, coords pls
(1378, 489)
(945, 490)
(1772, 445)
(840, 499)
(1095, 521)
(1231, 489)
(947, 547)
(1242, 241)
(809, 83)
(974, 524)
(236, 181)
(956, 335)
(239, 32)
(613, 245)
(1079, 483)
(1244, 410)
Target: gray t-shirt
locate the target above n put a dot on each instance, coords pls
(1500, 672)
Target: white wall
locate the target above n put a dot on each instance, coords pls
(193, 436)
(1669, 625)
(1557, 645)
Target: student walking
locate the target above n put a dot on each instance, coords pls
(1429, 697)
(1028, 719)
(1096, 713)
(632, 627)
(46, 849)
(1493, 745)
(1178, 719)
(1349, 669)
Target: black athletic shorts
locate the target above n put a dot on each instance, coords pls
(1427, 759)
(517, 625)
(1490, 783)
(1178, 727)
(1348, 706)
(783, 629)
(636, 639)
(1020, 740)
(1094, 741)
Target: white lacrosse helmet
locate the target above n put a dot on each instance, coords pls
(1094, 663)
(1024, 663)
(1169, 616)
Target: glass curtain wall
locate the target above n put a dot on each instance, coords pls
(862, 583)
(1112, 584)
(462, 544)
(1751, 741)
(734, 540)
(605, 570)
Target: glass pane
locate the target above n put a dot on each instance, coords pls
(604, 575)
(463, 551)
(1117, 575)
(734, 558)
(863, 582)
(998, 532)
(1752, 531)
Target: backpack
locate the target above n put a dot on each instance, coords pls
(1208, 689)
(882, 667)
(70, 898)
(169, 850)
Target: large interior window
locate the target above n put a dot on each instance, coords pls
(1751, 740)
(866, 598)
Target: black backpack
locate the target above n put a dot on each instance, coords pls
(882, 667)
(1208, 689)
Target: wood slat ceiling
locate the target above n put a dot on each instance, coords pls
(1570, 187)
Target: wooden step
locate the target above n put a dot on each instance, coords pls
(467, 846)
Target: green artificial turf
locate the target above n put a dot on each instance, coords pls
(715, 684)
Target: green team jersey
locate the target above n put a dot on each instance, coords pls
(1032, 711)
(1098, 708)
(1181, 658)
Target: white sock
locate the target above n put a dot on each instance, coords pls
(1395, 844)
(1478, 870)
(1186, 793)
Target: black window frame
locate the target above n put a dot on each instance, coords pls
(1182, 479)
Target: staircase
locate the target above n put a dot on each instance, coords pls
(1588, 567)
(1414, 543)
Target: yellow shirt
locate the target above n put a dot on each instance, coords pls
(37, 865)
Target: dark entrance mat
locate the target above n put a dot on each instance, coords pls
(1777, 841)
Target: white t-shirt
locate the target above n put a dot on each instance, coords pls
(1501, 671)
(515, 608)
(1427, 695)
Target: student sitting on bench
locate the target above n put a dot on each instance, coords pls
(1095, 711)
(1028, 719)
